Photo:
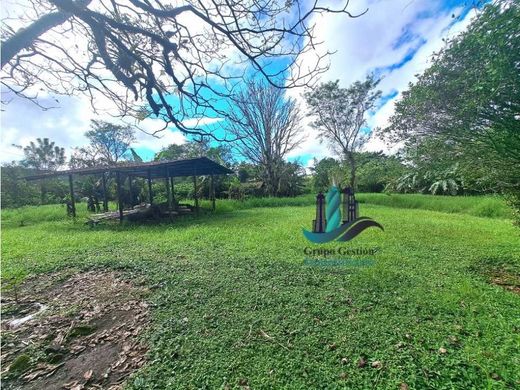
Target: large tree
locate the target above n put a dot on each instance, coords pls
(108, 143)
(43, 155)
(175, 61)
(267, 126)
(466, 106)
(340, 114)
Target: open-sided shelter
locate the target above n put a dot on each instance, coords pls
(165, 170)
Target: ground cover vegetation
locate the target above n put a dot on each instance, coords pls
(233, 305)
(230, 298)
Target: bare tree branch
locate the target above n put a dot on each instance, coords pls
(155, 60)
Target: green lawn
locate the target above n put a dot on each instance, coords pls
(233, 304)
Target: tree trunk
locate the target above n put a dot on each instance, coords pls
(352, 163)
(271, 182)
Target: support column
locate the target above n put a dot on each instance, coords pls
(150, 196)
(131, 189)
(212, 192)
(172, 188)
(105, 199)
(119, 200)
(168, 190)
(195, 190)
(72, 201)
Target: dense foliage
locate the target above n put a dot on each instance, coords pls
(376, 172)
(460, 121)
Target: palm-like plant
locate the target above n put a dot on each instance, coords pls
(446, 182)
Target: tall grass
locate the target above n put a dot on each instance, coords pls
(34, 214)
(479, 206)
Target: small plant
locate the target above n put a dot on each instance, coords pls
(13, 281)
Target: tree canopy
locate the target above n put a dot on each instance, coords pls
(340, 114)
(460, 122)
(108, 143)
(44, 155)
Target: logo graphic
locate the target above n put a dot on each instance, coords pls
(328, 225)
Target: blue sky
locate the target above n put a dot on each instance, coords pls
(394, 39)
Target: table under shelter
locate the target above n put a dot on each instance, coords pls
(155, 170)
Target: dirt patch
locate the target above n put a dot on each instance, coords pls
(73, 332)
(508, 280)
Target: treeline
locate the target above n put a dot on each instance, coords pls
(457, 126)
(460, 122)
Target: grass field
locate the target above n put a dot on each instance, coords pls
(234, 306)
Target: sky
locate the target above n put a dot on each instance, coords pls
(394, 39)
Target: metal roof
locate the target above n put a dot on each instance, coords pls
(201, 166)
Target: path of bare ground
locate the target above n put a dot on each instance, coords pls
(85, 336)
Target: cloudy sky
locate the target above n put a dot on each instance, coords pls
(394, 39)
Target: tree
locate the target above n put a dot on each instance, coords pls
(377, 171)
(291, 179)
(172, 61)
(220, 153)
(204, 147)
(16, 192)
(43, 155)
(267, 127)
(324, 173)
(108, 143)
(340, 115)
(466, 105)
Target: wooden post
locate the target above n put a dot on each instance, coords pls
(212, 192)
(195, 189)
(150, 196)
(105, 199)
(168, 191)
(131, 189)
(119, 200)
(172, 188)
(72, 202)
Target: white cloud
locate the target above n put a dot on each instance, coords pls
(383, 37)
(22, 122)
(361, 45)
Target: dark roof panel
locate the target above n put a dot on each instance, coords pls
(201, 166)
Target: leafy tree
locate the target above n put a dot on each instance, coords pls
(16, 192)
(292, 179)
(220, 153)
(108, 143)
(340, 116)
(324, 173)
(377, 171)
(267, 127)
(468, 103)
(43, 155)
(247, 171)
(138, 53)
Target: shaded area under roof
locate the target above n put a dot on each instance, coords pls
(201, 166)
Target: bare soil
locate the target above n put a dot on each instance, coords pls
(86, 337)
(507, 280)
